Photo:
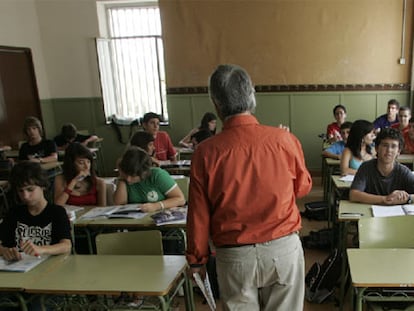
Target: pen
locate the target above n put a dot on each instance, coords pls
(351, 214)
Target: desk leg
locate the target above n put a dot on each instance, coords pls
(188, 293)
(360, 295)
(342, 248)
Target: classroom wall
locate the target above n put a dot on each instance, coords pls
(304, 56)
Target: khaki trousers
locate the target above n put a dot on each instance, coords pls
(265, 276)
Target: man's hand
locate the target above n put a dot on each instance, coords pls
(396, 197)
(11, 254)
(200, 270)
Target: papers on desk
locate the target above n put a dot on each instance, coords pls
(27, 263)
(117, 211)
(170, 216)
(71, 211)
(392, 210)
(206, 290)
(349, 178)
(175, 164)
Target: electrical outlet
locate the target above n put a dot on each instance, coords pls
(401, 61)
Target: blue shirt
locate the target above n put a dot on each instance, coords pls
(336, 148)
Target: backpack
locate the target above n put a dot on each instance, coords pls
(316, 210)
(321, 239)
(321, 280)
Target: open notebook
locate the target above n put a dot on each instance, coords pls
(116, 211)
(27, 263)
(392, 210)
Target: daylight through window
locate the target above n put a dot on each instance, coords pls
(131, 63)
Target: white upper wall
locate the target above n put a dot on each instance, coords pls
(68, 30)
(19, 27)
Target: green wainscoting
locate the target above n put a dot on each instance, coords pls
(306, 113)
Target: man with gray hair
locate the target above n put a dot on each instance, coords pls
(243, 186)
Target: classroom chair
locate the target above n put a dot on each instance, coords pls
(387, 232)
(183, 182)
(129, 243)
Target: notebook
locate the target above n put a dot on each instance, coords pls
(27, 263)
(392, 210)
(116, 211)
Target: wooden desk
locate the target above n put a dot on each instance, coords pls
(156, 276)
(407, 159)
(14, 283)
(329, 167)
(181, 167)
(348, 212)
(381, 268)
(92, 227)
(184, 153)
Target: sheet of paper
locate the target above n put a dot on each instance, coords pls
(409, 209)
(386, 211)
(206, 290)
(349, 178)
(27, 263)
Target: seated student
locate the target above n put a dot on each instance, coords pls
(409, 138)
(69, 134)
(37, 148)
(208, 123)
(383, 180)
(139, 182)
(145, 141)
(333, 132)
(335, 150)
(164, 149)
(404, 116)
(79, 185)
(34, 227)
(358, 147)
(199, 136)
(390, 118)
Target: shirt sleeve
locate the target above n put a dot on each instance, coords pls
(303, 180)
(59, 141)
(23, 152)
(50, 147)
(8, 229)
(198, 215)
(163, 180)
(360, 180)
(171, 152)
(61, 225)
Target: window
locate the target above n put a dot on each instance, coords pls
(131, 60)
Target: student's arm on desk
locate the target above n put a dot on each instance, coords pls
(120, 194)
(101, 189)
(394, 198)
(53, 157)
(344, 165)
(64, 246)
(331, 155)
(174, 198)
(91, 139)
(10, 253)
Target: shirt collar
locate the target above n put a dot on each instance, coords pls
(240, 120)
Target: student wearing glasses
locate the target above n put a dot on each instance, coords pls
(384, 181)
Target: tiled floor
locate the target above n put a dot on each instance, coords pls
(311, 256)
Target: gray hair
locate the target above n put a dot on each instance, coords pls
(231, 89)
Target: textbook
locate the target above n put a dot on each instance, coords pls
(116, 211)
(392, 210)
(27, 263)
(206, 290)
(170, 216)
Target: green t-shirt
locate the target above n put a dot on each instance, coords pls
(152, 189)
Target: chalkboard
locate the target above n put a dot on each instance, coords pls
(19, 96)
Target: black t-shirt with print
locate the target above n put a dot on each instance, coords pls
(47, 228)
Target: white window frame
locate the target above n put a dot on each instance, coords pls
(126, 94)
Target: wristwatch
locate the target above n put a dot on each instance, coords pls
(410, 199)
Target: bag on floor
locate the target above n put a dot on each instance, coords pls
(321, 280)
(317, 210)
(321, 239)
